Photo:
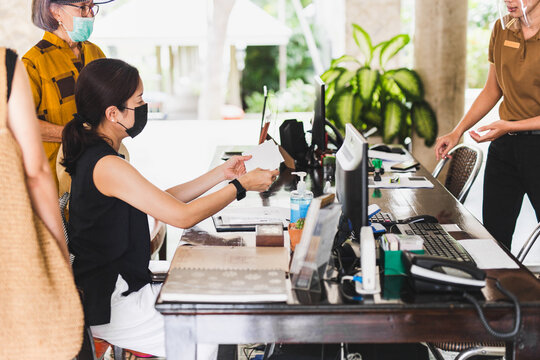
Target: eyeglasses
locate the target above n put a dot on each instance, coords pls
(86, 9)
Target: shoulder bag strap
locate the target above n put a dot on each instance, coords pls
(3, 89)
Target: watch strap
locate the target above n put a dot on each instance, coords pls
(240, 190)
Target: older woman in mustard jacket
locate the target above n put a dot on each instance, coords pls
(53, 65)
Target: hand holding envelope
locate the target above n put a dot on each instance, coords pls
(264, 156)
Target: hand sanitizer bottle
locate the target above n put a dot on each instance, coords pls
(300, 199)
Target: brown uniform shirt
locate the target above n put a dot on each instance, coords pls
(517, 66)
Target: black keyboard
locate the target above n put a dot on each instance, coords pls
(437, 241)
(383, 218)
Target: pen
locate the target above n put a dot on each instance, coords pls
(264, 126)
(265, 94)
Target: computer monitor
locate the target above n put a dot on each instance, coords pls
(318, 133)
(352, 178)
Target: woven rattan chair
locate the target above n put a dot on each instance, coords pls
(464, 165)
(63, 202)
(467, 350)
(158, 241)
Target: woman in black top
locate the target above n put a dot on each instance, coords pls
(108, 228)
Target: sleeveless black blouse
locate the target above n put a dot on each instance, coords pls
(108, 237)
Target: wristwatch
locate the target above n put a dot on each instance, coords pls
(240, 190)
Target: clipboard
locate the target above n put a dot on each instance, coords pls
(223, 227)
(228, 220)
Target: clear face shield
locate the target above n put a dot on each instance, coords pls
(512, 10)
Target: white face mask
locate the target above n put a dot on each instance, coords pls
(82, 28)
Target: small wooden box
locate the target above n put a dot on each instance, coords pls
(269, 235)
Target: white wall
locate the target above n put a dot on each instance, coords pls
(16, 28)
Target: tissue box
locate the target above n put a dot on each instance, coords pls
(269, 235)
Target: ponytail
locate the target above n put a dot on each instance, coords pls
(77, 136)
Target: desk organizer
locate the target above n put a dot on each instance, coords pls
(391, 261)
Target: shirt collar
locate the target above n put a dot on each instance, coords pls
(57, 41)
(514, 25)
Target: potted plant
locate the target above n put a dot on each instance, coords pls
(366, 94)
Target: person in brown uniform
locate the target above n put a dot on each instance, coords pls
(513, 162)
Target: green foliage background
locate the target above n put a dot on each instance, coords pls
(482, 15)
(262, 62)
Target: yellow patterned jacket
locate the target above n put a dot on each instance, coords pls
(53, 70)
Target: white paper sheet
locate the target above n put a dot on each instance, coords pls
(450, 227)
(488, 254)
(264, 156)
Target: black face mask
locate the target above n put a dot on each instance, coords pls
(141, 117)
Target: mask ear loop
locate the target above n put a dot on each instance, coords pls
(118, 122)
(60, 22)
(524, 11)
(501, 16)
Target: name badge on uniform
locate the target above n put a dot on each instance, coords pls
(511, 44)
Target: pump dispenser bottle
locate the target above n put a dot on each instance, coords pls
(300, 199)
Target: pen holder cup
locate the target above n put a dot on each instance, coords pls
(391, 261)
(294, 235)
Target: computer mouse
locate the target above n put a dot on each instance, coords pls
(419, 218)
(381, 147)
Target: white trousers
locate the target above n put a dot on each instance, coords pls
(137, 325)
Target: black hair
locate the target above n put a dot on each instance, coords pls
(101, 83)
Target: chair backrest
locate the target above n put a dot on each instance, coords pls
(63, 202)
(157, 238)
(522, 254)
(464, 165)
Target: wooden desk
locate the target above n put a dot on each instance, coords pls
(333, 320)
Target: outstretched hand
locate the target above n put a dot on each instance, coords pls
(259, 179)
(494, 131)
(235, 167)
(444, 144)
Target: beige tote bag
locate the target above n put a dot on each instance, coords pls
(40, 311)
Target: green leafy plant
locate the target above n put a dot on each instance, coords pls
(364, 93)
(297, 97)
